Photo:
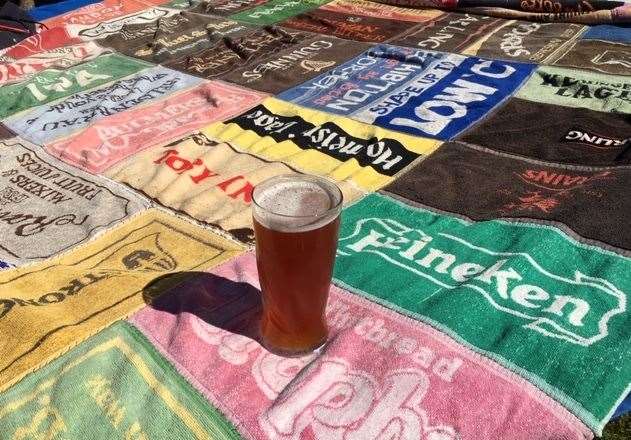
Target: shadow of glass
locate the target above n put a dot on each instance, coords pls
(230, 305)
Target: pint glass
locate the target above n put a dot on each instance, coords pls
(296, 223)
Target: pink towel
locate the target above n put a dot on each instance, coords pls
(381, 375)
(116, 137)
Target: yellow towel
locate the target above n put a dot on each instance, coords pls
(209, 181)
(316, 158)
(47, 308)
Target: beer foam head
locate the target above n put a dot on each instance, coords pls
(296, 203)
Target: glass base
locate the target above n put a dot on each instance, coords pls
(294, 353)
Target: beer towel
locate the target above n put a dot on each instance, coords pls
(52, 84)
(22, 69)
(86, 289)
(50, 122)
(222, 7)
(379, 10)
(320, 143)
(449, 32)
(418, 92)
(274, 11)
(115, 385)
(127, 33)
(347, 25)
(379, 372)
(540, 43)
(599, 56)
(566, 196)
(45, 40)
(564, 134)
(576, 88)
(97, 13)
(116, 25)
(231, 53)
(532, 298)
(199, 33)
(47, 207)
(111, 139)
(287, 68)
(573, 11)
(210, 181)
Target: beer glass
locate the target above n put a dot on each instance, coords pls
(296, 222)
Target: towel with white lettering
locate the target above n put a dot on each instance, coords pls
(423, 93)
(527, 295)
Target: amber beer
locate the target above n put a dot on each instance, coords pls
(296, 223)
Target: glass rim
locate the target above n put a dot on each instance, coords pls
(330, 184)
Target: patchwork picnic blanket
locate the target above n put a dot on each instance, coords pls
(483, 273)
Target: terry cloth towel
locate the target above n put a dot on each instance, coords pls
(408, 90)
(158, 28)
(210, 181)
(540, 43)
(576, 88)
(379, 372)
(514, 187)
(46, 40)
(172, 42)
(52, 84)
(571, 11)
(564, 134)
(526, 295)
(230, 53)
(347, 25)
(287, 68)
(112, 139)
(221, 8)
(111, 27)
(45, 12)
(127, 33)
(47, 207)
(274, 11)
(114, 385)
(599, 56)
(320, 143)
(464, 30)
(88, 288)
(47, 123)
(97, 12)
(378, 10)
(22, 69)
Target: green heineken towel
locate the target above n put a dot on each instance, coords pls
(526, 295)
